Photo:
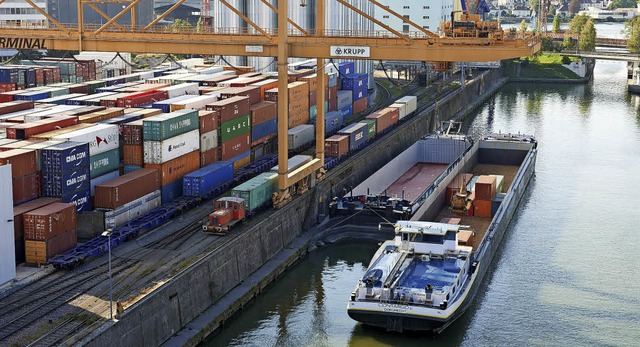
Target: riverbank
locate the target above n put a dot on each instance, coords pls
(549, 68)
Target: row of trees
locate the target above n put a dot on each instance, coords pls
(581, 25)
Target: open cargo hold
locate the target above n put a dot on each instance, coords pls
(358, 134)
(65, 156)
(23, 162)
(158, 152)
(257, 191)
(231, 108)
(38, 252)
(175, 169)
(336, 146)
(202, 181)
(101, 137)
(49, 221)
(127, 212)
(26, 130)
(126, 188)
(165, 126)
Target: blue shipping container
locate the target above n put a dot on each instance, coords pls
(82, 200)
(31, 78)
(8, 75)
(346, 111)
(104, 178)
(360, 93)
(358, 134)
(353, 81)
(59, 184)
(171, 191)
(165, 105)
(333, 121)
(346, 68)
(130, 168)
(65, 156)
(208, 178)
(264, 129)
(33, 96)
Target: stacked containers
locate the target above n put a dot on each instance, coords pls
(18, 223)
(264, 118)
(48, 231)
(23, 170)
(234, 143)
(171, 145)
(357, 84)
(66, 173)
(208, 121)
(298, 102)
(38, 147)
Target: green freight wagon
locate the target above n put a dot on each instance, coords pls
(257, 191)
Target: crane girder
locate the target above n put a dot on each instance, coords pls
(380, 48)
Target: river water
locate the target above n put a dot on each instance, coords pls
(568, 272)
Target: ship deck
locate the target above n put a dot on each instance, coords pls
(439, 273)
(480, 224)
(415, 180)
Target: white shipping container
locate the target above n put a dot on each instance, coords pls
(410, 101)
(180, 89)
(209, 140)
(300, 135)
(295, 162)
(7, 242)
(196, 103)
(132, 210)
(158, 152)
(211, 70)
(101, 137)
(402, 110)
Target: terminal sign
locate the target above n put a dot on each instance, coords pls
(22, 43)
(350, 51)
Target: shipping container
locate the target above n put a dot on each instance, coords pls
(132, 132)
(165, 126)
(482, 208)
(141, 99)
(165, 105)
(360, 105)
(231, 108)
(130, 168)
(202, 181)
(65, 156)
(25, 188)
(26, 130)
(336, 146)
(214, 80)
(180, 90)
(294, 163)
(208, 141)
(158, 152)
(241, 160)
(235, 147)
(296, 90)
(23, 161)
(332, 122)
(252, 92)
(65, 183)
(235, 127)
(345, 98)
(383, 118)
(263, 111)
(81, 199)
(49, 221)
(171, 191)
(265, 85)
(357, 133)
(264, 129)
(411, 103)
(104, 178)
(39, 252)
(209, 157)
(175, 169)
(134, 209)
(95, 117)
(15, 106)
(346, 68)
(300, 136)
(485, 188)
(126, 188)
(196, 103)
(101, 137)
(104, 162)
(297, 119)
(402, 110)
(257, 191)
(208, 121)
(371, 126)
(18, 144)
(354, 81)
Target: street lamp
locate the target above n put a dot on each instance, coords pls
(107, 233)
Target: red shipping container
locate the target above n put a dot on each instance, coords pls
(132, 133)
(20, 210)
(133, 155)
(48, 221)
(7, 87)
(265, 85)
(333, 98)
(141, 99)
(485, 188)
(482, 208)
(26, 130)
(15, 106)
(235, 146)
(360, 105)
(208, 157)
(126, 188)
(38, 252)
(79, 88)
(263, 111)
(25, 188)
(231, 108)
(23, 162)
(213, 81)
(248, 81)
(175, 169)
(336, 146)
(251, 91)
(208, 121)
(312, 98)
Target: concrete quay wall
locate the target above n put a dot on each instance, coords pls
(162, 313)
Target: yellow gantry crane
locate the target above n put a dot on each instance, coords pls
(473, 45)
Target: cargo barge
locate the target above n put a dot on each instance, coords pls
(428, 274)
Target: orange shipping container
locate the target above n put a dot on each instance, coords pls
(313, 80)
(265, 85)
(38, 252)
(133, 155)
(175, 169)
(298, 119)
(101, 115)
(208, 157)
(336, 146)
(49, 221)
(297, 90)
(485, 188)
(360, 105)
(298, 105)
(482, 208)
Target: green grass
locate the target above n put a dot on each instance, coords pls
(544, 66)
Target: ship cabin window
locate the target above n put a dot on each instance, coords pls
(450, 235)
(435, 239)
(405, 237)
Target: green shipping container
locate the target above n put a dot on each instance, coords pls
(93, 85)
(165, 126)
(104, 162)
(235, 127)
(372, 127)
(258, 190)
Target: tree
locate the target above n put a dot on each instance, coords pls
(574, 6)
(632, 33)
(622, 4)
(523, 26)
(587, 40)
(577, 23)
(556, 24)
(533, 5)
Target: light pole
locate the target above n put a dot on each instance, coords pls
(107, 233)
